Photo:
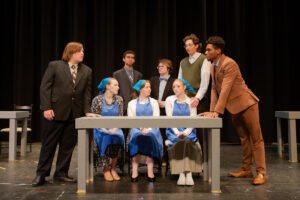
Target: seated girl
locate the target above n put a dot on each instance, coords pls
(184, 150)
(109, 141)
(144, 141)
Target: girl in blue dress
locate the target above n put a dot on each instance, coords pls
(108, 141)
(144, 141)
(184, 150)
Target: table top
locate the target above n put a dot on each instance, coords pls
(288, 114)
(13, 114)
(149, 121)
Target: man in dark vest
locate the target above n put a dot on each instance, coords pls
(195, 69)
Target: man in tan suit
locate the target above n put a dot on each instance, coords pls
(230, 91)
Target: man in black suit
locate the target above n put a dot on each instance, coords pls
(127, 77)
(161, 86)
(65, 94)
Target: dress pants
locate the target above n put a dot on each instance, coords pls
(55, 133)
(248, 128)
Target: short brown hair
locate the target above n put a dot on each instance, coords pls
(166, 62)
(217, 42)
(70, 49)
(194, 38)
(128, 52)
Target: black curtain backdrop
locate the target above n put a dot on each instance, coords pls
(259, 35)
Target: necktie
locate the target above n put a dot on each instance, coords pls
(74, 73)
(130, 76)
(163, 79)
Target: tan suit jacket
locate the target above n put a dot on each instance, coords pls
(229, 89)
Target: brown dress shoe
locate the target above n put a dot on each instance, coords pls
(241, 173)
(259, 179)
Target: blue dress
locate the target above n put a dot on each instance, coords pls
(150, 144)
(180, 109)
(103, 139)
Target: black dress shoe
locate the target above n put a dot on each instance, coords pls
(134, 180)
(151, 179)
(37, 181)
(64, 179)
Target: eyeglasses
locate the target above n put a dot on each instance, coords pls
(188, 45)
(160, 66)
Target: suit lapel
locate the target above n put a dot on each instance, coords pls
(167, 88)
(155, 87)
(67, 71)
(124, 73)
(135, 76)
(79, 74)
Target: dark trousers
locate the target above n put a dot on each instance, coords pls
(55, 133)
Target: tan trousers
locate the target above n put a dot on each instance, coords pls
(248, 128)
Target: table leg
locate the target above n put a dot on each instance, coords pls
(91, 158)
(279, 137)
(292, 140)
(24, 137)
(12, 140)
(214, 146)
(82, 161)
(205, 155)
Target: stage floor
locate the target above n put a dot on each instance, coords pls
(283, 182)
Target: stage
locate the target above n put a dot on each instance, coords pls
(283, 182)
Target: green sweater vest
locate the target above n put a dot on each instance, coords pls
(191, 72)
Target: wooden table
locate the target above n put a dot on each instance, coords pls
(13, 116)
(291, 116)
(211, 141)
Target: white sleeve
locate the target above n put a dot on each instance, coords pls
(169, 103)
(180, 72)
(205, 76)
(131, 110)
(193, 113)
(169, 106)
(155, 107)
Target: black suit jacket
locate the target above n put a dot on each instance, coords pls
(155, 89)
(126, 89)
(58, 92)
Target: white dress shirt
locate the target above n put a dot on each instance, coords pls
(162, 86)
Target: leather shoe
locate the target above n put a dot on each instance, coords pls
(134, 180)
(241, 173)
(151, 179)
(260, 179)
(37, 181)
(64, 179)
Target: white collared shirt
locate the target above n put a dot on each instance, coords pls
(162, 86)
(71, 70)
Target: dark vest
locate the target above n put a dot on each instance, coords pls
(191, 72)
